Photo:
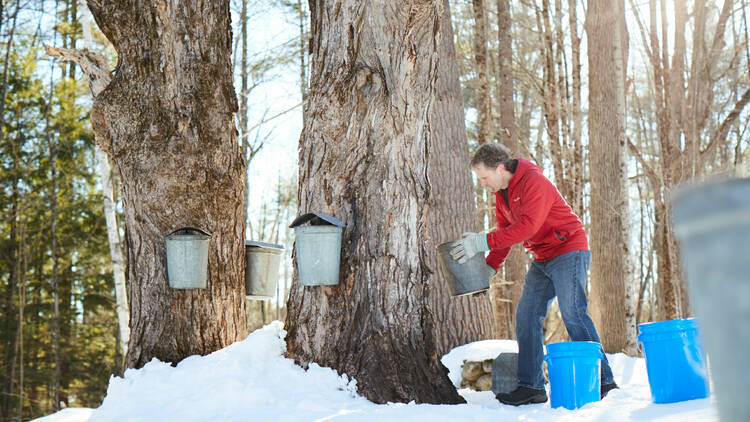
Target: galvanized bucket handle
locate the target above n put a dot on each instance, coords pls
(188, 228)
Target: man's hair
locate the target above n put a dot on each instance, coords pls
(492, 155)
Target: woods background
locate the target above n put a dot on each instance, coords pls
(673, 111)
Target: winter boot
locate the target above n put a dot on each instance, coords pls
(523, 395)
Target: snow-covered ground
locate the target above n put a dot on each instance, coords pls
(251, 380)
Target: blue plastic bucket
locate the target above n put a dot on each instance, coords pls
(574, 373)
(675, 360)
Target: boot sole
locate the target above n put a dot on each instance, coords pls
(530, 400)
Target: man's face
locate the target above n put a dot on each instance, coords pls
(492, 179)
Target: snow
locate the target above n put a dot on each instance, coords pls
(252, 380)
(476, 351)
(71, 414)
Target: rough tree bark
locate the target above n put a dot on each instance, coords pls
(165, 119)
(366, 153)
(483, 103)
(462, 319)
(612, 295)
(514, 268)
(551, 106)
(507, 111)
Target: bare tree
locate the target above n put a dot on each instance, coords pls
(484, 104)
(366, 153)
(166, 121)
(687, 136)
(11, 344)
(613, 305)
(458, 320)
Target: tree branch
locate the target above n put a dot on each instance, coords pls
(721, 132)
(643, 32)
(646, 167)
(116, 19)
(718, 37)
(93, 65)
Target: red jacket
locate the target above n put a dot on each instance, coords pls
(537, 215)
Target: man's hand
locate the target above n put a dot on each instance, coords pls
(468, 246)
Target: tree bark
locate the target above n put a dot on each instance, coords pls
(576, 115)
(243, 103)
(166, 121)
(550, 94)
(21, 305)
(483, 104)
(464, 319)
(115, 250)
(613, 306)
(366, 153)
(10, 343)
(13, 256)
(508, 134)
(508, 287)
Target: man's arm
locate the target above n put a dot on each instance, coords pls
(496, 257)
(536, 200)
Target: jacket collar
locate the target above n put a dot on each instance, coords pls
(524, 167)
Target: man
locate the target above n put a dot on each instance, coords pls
(531, 210)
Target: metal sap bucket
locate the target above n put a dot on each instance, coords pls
(187, 258)
(318, 248)
(469, 277)
(505, 373)
(262, 271)
(712, 226)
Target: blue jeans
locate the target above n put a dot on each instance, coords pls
(564, 277)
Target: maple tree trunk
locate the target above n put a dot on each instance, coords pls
(366, 153)
(166, 121)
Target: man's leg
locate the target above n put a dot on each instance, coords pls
(568, 273)
(537, 293)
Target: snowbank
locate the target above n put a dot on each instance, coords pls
(252, 380)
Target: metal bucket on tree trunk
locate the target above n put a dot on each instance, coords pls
(318, 248)
(187, 258)
(469, 277)
(262, 270)
(712, 225)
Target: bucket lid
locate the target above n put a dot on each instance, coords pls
(316, 218)
(273, 246)
(668, 326)
(192, 232)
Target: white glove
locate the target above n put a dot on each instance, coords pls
(468, 246)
